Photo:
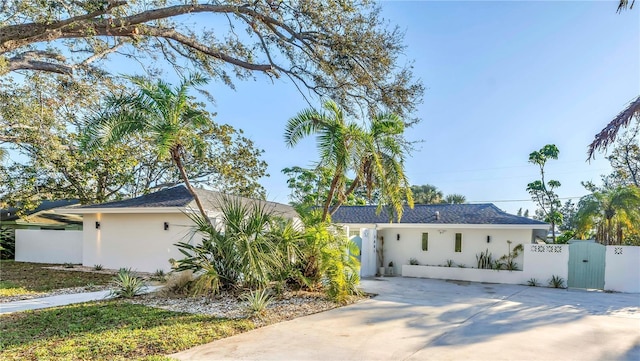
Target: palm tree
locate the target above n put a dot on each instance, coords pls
(381, 164)
(426, 194)
(454, 198)
(164, 113)
(609, 134)
(624, 4)
(375, 155)
(607, 210)
(337, 141)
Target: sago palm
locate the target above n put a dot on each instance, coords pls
(606, 209)
(164, 113)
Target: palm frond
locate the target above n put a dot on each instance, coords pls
(608, 135)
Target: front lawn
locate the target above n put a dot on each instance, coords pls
(108, 330)
(23, 278)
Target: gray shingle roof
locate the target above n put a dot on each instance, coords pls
(426, 213)
(179, 197)
(9, 214)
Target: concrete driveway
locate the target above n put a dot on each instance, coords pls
(418, 319)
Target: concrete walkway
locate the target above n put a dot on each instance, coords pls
(55, 301)
(418, 319)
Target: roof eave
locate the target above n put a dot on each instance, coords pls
(448, 225)
(126, 210)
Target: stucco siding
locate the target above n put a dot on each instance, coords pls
(48, 246)
(441, 245)
(134, 241)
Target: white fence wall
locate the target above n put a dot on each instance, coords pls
(622, 268)
(622, 272)
(540, 262)
(48, 246)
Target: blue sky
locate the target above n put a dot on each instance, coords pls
(503, 79)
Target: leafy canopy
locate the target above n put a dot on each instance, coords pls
(342, 50)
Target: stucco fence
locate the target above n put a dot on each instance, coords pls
(541, 262)
(48, 246)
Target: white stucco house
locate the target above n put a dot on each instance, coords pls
(140, 233)
(435, 233)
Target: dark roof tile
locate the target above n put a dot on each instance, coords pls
(426, 213)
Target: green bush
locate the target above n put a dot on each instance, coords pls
(252, 248)
(7, 243)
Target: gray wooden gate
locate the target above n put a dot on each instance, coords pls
(586, 265)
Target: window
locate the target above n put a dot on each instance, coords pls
(353, 232)
(425, 241)
(458, 242)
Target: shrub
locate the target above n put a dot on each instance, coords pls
(97, 267)
(252, 248)
(533, 282)
(159, 275)
(127, 285)
(257, 301)
(556, 282)
(7, 243)
(68, 265)
(413, 262)
(179, 283)
(329, 260)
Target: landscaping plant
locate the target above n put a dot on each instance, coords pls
(97, 267)
(126, 285)
(485, 260)
(533, 282)
(449, 263)
(257, 301)
(556, 282)
(242, 252)
(329, 259)
(413, 262)
(508, 260)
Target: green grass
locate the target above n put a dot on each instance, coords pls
(108, 330)
(33, 277)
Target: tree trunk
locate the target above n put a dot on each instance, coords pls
(332, 190)
(353, 186)
(175, 154)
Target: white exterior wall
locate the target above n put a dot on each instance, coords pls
(48, 246)
(465, 274)
(442, 245)
(136, 241)
(545, 260)
(622, 272)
